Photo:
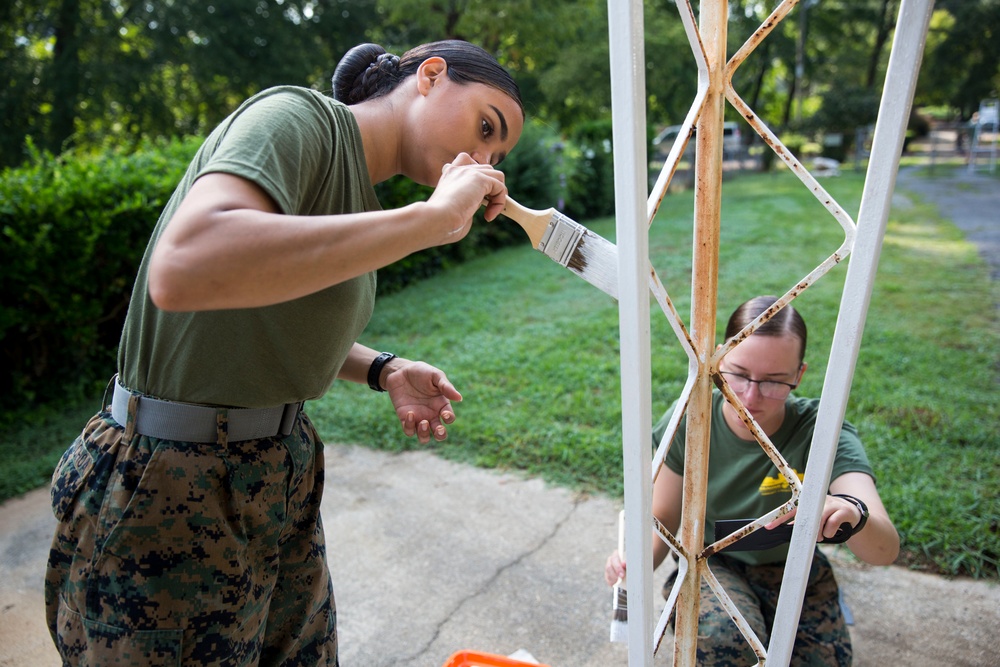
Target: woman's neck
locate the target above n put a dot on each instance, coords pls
(379, 137)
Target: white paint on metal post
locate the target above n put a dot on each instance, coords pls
(625, 26)
(634, 212)
(897, 95)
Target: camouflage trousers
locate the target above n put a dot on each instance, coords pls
(176, 553)
(822, 639)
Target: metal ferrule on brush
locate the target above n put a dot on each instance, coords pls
(561, 238)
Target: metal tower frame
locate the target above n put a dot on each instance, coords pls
(637, 278)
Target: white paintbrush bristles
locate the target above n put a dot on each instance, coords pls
(619, 620)
(619, 600)
(569, 244)
(595, 259)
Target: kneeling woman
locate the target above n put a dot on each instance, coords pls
(743, 482)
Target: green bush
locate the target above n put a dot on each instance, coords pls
(591, 183)
(74, 228)
(844, 109)
(795, 143)
(533, 168)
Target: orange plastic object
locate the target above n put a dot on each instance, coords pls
(476, 659)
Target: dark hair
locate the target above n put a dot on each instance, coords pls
(367, 71)
(785, 321)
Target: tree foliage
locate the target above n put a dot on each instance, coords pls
(85, 72)
(962, 64)
(106, 78)
(93, 72)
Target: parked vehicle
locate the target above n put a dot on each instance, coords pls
(731, 139)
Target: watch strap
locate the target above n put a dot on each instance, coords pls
(861, 508)
(375, 370)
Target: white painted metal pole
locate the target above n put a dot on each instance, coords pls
(628, 107)
(897, 96)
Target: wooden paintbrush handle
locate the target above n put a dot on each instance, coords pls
(621, 543)
(533, 222)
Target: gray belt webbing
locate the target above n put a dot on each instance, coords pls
(186, 422)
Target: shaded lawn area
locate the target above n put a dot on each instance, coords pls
(534, 350)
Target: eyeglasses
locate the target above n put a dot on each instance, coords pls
(767, 388)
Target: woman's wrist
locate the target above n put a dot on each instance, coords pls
(379, 370)
(394, 364)
(862, 508)
(846, 530)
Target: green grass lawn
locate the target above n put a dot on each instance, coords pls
(534, 350)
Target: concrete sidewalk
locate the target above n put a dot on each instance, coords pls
(968, 199)
(430, 557)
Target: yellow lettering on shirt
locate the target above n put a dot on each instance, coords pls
(777, 484)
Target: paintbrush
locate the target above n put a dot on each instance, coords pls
(619, 596)
(567, 242)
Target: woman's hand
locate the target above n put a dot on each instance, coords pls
(836, 511)
(878, 542)
(422, 395)
(460, 192)
(614, 569)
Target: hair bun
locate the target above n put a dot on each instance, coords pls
(366, 71)
(386, 62)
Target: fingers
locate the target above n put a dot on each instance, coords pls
(832, 523)
(780, 520)
(422, 396)
(440, 432)
(409, 425)
(447, 417)
(494, 208)
(460, 160)
(447, 389)
(830, 527)
(423, 429)
(836, 512)
(464, 161)
(496, 199)
(488, 181)
(614, 569)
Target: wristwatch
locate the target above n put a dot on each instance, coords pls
(861, 508)
(375, 370)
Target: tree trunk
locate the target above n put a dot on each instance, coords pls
(886, 24)
(65, 75)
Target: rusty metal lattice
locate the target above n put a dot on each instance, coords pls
(715, 73)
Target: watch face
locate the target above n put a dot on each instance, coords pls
(863, 509)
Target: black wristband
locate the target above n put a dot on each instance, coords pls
(861, 508)
(375, 370)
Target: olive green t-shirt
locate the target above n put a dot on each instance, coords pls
(304, 149)
(743, 483)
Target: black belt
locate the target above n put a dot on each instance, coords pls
(187, 422)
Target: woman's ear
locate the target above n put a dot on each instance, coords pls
(429, 73)
(802, 371)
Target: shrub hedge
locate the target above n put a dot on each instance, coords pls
(591, 181)
(74, 228)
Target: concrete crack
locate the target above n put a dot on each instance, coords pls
(492, 580)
